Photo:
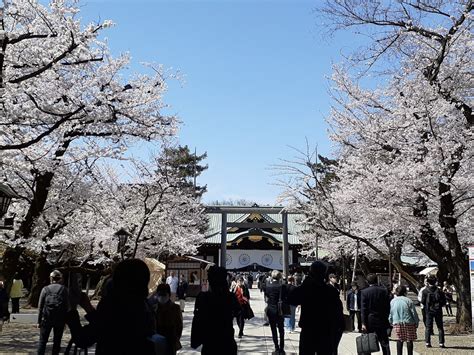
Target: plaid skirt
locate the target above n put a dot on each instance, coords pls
(405, 332)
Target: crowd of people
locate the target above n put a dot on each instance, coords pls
(128, 320)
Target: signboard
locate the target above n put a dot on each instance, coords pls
(471, 271)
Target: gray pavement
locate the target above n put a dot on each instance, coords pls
(258, 339)
(21, 336)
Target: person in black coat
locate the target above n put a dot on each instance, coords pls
(123, 322)
(354, 305)
(375, 309)
(274, 291)
(433, 300)
(214, 312)
(322, 318)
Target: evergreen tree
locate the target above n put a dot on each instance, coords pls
(186, 165)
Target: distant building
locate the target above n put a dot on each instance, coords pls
(256, 244)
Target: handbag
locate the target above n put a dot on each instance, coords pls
(367, 343)
(248, 312)
(284, 309)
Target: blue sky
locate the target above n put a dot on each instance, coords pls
(255, 80)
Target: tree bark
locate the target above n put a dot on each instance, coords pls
(461, 280)
(40, 279)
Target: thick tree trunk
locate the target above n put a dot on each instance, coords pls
(40, 279)
(461, 279)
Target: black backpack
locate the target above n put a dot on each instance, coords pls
(434, 301)
(55, 306)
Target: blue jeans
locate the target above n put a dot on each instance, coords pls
(291, 320)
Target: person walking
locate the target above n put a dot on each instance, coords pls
(173, 282)
(243, 297)
(250, 280)
(275, 293)
(290, 322)
(181, 292)
(322, 318)
(353, 306)
(448, 293)
(169, 320)
(375, 310)
(214, 311)
(16, 292)
(52, 309)
(404, 319)
(420, 295)
(433, 300)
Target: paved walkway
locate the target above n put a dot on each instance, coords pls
(258, 339)
(21, 336)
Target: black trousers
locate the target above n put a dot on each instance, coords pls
(312, 342)
(15, 305)
(353, 315)
(45, 330)
(276, 322)
(240, 322)
(430, 319)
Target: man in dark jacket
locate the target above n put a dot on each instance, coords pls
(52, 309)
(375, 309)
(322, 319)
(274, 292)
(353, 305)
(433, 300)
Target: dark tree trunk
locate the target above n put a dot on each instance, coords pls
(461, 280)
(40, 279)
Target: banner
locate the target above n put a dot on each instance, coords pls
(239, 258)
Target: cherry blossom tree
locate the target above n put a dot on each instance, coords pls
(65, 100)
(405, 147)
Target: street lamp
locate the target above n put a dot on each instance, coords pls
(122, 236)
(6, 195)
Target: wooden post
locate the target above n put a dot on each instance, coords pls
(223, 240)
(286, 266)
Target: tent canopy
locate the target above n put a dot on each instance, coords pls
(430, 270)
(157, 271)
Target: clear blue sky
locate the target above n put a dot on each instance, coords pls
(255, 80)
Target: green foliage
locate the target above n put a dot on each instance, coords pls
(185, 165)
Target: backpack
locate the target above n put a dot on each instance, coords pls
(55, 306)
(434, 301)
